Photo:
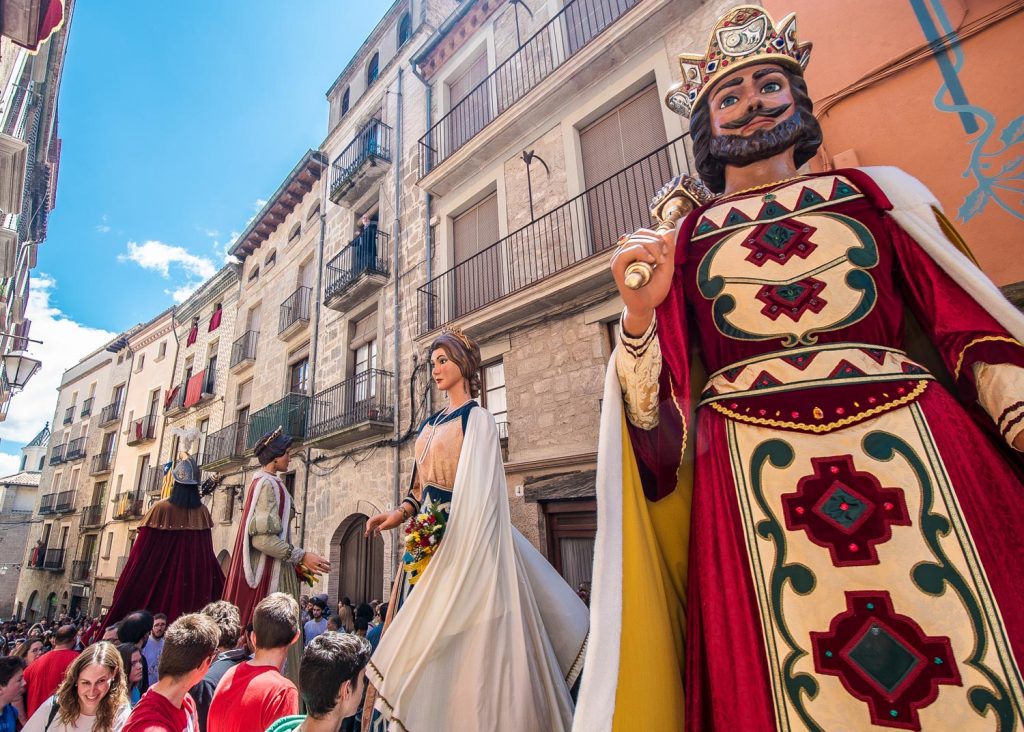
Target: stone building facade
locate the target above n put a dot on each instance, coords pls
(19, 494)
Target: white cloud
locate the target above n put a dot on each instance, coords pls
(65, 342)
(103, 227)
(10, 464)
(211, 233)
(181, 294)
(157, 256)
(258, 204)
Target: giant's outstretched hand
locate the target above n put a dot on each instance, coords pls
(658, 249)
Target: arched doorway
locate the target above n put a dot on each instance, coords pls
(51, 606)
(224, 559)
(32, 613)
(359, 562)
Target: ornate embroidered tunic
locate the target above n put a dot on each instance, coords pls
(854, 552)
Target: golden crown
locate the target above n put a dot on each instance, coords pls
(744, 36)
(457, 332)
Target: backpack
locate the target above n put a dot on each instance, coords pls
(54, 709)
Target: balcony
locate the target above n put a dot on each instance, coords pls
(226, 447)
(154, 480)
(92, 517)
(175, 400)
(53, 560)
(87, 407)
(566, 249)
(69, 415)
(128, 506)
(563, 37)
(76, 449)
(288, 413)
(47, 504)
(142, 430)
(65, 502)
(360, 269)
(294, 313)
(362, 163)
(57, 454)
(111, 413)
(243, 351)
(81, 570)
(360, 407)
(101, 463)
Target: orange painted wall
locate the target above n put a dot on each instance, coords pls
(894, 120)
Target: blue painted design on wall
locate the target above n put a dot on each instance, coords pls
(996, 162)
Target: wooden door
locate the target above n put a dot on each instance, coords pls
(362, 563)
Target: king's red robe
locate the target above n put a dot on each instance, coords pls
(853, 555)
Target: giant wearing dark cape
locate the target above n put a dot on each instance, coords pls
(172, 567)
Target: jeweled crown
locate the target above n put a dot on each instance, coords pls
(744, 36)
(457, 332)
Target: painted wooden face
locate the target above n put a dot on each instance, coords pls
(443, 370)
(753, 98)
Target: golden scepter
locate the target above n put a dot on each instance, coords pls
(677, 198)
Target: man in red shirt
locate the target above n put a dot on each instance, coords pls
(44, 676)
(253, 695)
(189, 646)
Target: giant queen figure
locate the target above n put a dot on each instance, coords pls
(808, 519)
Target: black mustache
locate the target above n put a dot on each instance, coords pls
(743, 121)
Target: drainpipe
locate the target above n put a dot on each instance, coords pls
(396, 232)
(315, 341)
(427, 213)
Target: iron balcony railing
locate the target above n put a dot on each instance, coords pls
(225, 444)
(57, 453)
(92, 516)
(502, 426)
(288, 413)
(111, 413)
(371, 143)
(558, 40)
(47, 503)
(64, 502)
(87, 407)
(244, 349)
(581, 227)
(142, 429)
(295, 309)
(128, 505)
(69, 415)
(76, 449)
(177, 400)
(54, 560)
(154, 481)
(101, 463)
(367, 396)
(368, 252)
(81, 570)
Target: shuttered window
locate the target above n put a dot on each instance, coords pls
(470, 105)
(479, 280)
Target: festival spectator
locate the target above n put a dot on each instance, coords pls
(135, 628)
(225, 615)
(91, 697)
(45, 675)
(317, 623)
(189, 645)
(12, 686)
(347, 617)
(254, 694)
(374, 633)
(110, 634)
(333, 624)
(332, 677)
(155, 644)
(30, 650)
(131, 657)
(361, 627)
(303, 609)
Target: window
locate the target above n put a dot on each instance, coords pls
(254, 274)
(344, 103)
(140, 479)
(204, 427)
(211, 371)
(108, 544)
(218, 313)
(298, 376)
(24, 460)
(404, 29)
(474, 231)
(295, 233)
(140, 362)
(162, 351)
(41, 461)
(372, 69)
(314, 211)
(493, 393)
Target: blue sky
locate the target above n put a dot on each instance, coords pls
(177, 121)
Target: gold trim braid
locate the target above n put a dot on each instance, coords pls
(976, 341)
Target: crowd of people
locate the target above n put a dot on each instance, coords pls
(204, 671)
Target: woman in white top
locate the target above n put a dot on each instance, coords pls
(92, 697)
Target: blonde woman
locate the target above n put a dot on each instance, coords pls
(92, 697)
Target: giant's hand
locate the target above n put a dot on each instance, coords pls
(384, 521)
(645, 245)
(316, 563)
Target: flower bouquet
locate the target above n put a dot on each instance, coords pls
(423, 536)
(305, 574)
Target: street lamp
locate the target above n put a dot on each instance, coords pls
(19, 368)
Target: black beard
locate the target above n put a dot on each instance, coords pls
(740, 150)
